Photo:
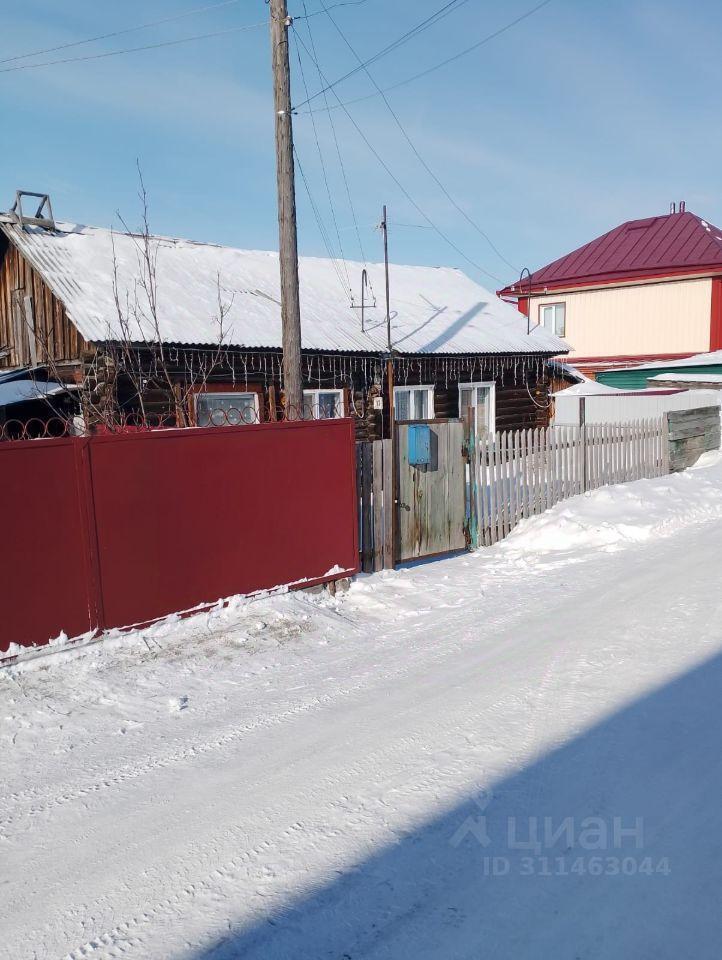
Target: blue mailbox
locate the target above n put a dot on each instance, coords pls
(419, 444)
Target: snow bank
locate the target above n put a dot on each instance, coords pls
(610, 517)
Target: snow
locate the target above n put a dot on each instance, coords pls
(19, 391)
(688, 377)
(697, 360)
(434, 309)
(306, 777)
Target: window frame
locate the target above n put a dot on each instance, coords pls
(224, 392)
(314, 392)
(472, 385)
(427, 387)
(547, 306)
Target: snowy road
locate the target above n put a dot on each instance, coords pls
(361, 778)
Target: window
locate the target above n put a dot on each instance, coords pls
(552, 316)
(226, 409)
(482, 397)
(414, 403)
(323, 404)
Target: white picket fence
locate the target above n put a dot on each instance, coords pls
(516, 474)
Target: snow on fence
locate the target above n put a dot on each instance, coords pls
(519, 473)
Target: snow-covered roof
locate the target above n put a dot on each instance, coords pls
(20, 391)
(688, 378)
(434, 309)
(698, 360)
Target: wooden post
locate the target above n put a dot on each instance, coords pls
(583, 440)
(288, 241)
(384, 228)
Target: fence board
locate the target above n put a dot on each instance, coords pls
(522, 473)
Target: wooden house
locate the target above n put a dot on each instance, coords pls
(648, 290)
(192, 332)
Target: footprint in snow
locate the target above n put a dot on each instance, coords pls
(176, 704)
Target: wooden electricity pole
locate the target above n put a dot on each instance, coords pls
(288, 241)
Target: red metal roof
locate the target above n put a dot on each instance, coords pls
(676, 243)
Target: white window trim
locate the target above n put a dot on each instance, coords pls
(554, 303)
(417, 386)
(492, 400)
(227, 395)
(339, 405)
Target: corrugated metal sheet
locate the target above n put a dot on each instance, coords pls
(638, 248)
(434, 310)
(621, 407)
(635, 378)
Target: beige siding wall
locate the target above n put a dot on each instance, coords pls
(672, 317)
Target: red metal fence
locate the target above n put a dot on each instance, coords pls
(115, 530)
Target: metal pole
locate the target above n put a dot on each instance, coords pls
(287, 237)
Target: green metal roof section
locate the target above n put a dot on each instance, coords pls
(631, 379)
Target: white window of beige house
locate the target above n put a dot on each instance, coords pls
(482, 398)
(552, 316)
(414, 403)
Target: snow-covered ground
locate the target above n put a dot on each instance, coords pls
(514, 754)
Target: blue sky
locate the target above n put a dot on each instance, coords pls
(583, 115)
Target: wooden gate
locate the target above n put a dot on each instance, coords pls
(430, 491)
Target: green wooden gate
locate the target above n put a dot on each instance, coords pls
(430, 493)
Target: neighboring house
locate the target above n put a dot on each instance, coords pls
(74, 302)
(649, 289)
(702, 368)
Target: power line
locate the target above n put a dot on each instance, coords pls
(335, 139)
(442, 63)
(150, 46)
(450, 7)
(319, 222)
(398, 183)
(120, 33)
(325, 180)
(341, 3)
(417, 153)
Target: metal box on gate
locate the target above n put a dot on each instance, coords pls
(419, 439)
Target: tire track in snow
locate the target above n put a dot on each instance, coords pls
(50, 798)
(128, 934)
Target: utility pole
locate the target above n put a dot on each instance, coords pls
(392, 413)
(287, 237)
(384, 227)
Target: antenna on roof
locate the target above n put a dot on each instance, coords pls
(43, 214)
(364, 287)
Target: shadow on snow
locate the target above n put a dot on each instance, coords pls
(653, 769)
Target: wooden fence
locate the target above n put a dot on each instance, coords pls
(374, 488)
(516, 474)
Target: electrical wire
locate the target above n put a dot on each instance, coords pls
(399, 184)
(450, 7)
(120, 33)
(328, 188)
(417, 153)
(150, 46)
(338, 146)
(442, 63)
(316, 13)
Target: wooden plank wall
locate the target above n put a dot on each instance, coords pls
(692, 433)
(33, 322)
